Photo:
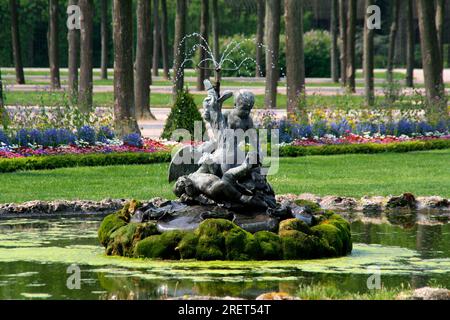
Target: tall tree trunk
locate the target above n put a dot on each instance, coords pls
(15, 33)
(351, 42)
(295, 61)
(73, 38)
(179, 46)
(272, 40)
(343, 36)
(30, 48)
(4, 117)
(124, 108)
(165, 39)
(156, 37)
(400, 43)
(104, 37)
(204, 22)
(142, 66)
(368, 59)
(2, 101)
(410, 43)
(260, 38)
(53, 43)
(334, 26)
(215, 28)
(392, 37)
(431, 61)
(86, 53)
(440, 24)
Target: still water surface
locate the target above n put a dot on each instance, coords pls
(35, 255)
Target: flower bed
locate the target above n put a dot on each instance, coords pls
(358, 139)
(85, 140)
(148, 146)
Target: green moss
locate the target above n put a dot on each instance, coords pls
(291, 243)
(188, 246)
(211, 244)
(294, 224)
(129, 209)
(221, 239)
(310, 206)
(122, 240)
(343, 234)
(298, 245)
(109, 224)
(333, 235)
(240, 245)
(164, 246)
(270, 245)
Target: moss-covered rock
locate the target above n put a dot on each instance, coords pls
(188, 246)
(221, 239)
(240, 245)
(110, 224)
(164, 246)
(310, 206)
(336, 230)
(122, 240)
(129, 209)
(294, 224)
(270, 245)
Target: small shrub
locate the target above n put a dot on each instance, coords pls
(184, 114)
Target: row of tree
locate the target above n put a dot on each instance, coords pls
(343, 32)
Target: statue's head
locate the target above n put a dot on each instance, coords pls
(244, 102)
(184, 185)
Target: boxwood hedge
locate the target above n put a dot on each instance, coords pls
(90, 160)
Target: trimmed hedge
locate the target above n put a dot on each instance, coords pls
(87, 160)
(111, 159)
(299, 151)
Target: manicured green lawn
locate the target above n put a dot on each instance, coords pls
(422, 173)
(157, 100)
(161, 100)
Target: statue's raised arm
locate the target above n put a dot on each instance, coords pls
(212, 109)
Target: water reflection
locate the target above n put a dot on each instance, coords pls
(22, 279)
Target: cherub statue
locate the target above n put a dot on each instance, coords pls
(221, 190)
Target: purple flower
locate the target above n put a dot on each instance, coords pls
(4, 138)
(87, 134)
(133, 140)
(105, 133)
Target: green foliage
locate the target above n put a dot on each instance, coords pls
(183, 115)
(299, 151)
(317, 46)
(79, 160)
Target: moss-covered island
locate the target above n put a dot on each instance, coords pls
(220, 239)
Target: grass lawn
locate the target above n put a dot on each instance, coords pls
(422, 173)
(157, 100)
(162, 100)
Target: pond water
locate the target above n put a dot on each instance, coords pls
(35, 255)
